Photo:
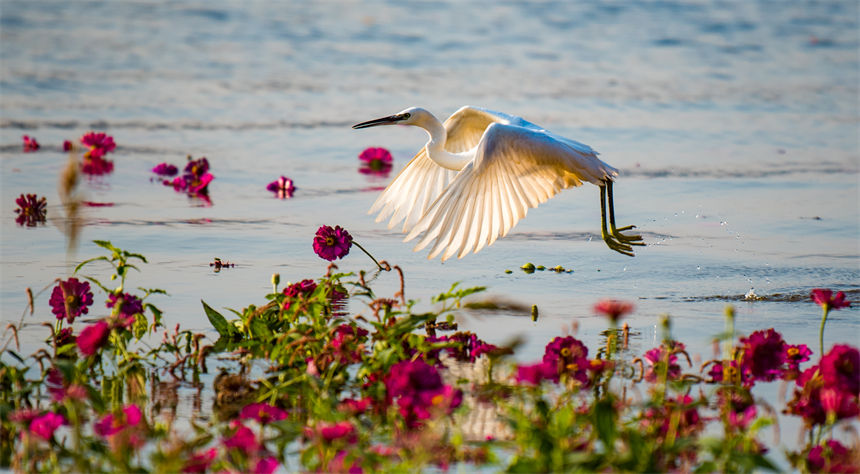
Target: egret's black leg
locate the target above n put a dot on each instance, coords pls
(627, 239)
(607, 237)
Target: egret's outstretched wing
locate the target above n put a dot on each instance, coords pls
(412, 191)
(467, 125)
(515, 168)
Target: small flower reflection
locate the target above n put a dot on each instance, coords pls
(29, 144)
(31, 210)
(217, 265)
(282, 187)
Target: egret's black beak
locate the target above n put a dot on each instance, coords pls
(391, 119)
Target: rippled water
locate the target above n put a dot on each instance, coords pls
(734, 124)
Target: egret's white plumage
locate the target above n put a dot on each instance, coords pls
(479, 174)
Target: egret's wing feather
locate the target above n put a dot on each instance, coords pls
(466, 126)
(515, 168)
(412, 191)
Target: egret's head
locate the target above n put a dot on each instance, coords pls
(411, 116)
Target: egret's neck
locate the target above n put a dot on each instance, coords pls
(436, 147)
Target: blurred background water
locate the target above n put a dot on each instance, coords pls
(734, 125)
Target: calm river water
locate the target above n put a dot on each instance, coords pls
(734, 125)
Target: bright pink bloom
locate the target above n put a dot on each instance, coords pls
(195, 178)
(31, 211)
(763, 356)
(200, 462)
(826, 299)
(742, 420)
(243, 439)
(613, 309)
(93, 337)
(832, 457)
(343, 464)
(466, 346)
(283, 187)
(45, 425)
(165, 169)
(299, 290)
(72, 294)
(262, 412)
(24, 415)
(417, 388)
(335, 431)
(266, 465)
(129, 307)
(95, 165)
(332, 243)
(535, 373)
(375, 161)
(30, 144)
(795, 354)
(840, 368)
(569, 356)
(112, 424)
(353, 406)
(99, 143)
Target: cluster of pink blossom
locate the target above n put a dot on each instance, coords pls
(417, 389)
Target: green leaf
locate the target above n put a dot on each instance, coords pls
(259, 330)
(218, 321)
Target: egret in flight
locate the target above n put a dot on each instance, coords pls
(480, 173)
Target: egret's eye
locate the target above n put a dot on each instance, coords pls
(406, 116)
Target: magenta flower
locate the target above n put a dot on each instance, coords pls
(263, 413)
(299, 290)
(656, 357)
(840, 369)
(99, 144)
(112, 424)
(375, 161)
(466, 347)
(200, 462)
(334, 431)
(31, 211)
(763, 356)
(832, 457)
(129, 307)
(332, 243)
(346, 343)
(827, 300)
(353, 406)
(195, 178)
(93, 337)
(60, 389)
(613, 309)
(24, 415)
(417, 388)
(72, 295)
(283, 187)
(795, 354)
(266, 465)
(165, 169)
(535, 373)
(95, 165)
(569, 356)
(67, 145)
(243, 439)
(30, 144)
(45, 425)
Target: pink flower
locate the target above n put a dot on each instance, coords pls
(60, 389)
(112, 424)
(832, 457)
(795, 354)
(840, 368)
(613, 309)
(283, 187)
(266, 465)
(332, 243)
(656, 357)
(200, 462)
(298, 291)
(24, 415)
(30, 144)
(93, 337)
(95, 165)
(67, 145)
(569, 356)
(99, 143)
(417, 388)
(375, 161)
(344, 463)
(243, 439)
(763, 356)
(45, 425)
(263, 413)
(827, 301)
(742, 420)
(334, 431)
(31, 211)
(165, 169)
(353, 406)
(73, 295)
(129, 307)
(535, 373)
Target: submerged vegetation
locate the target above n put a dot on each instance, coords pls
(302, 384)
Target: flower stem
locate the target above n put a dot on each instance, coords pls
(821, 330)
(368, 254)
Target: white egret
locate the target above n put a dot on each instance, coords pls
(478, 175)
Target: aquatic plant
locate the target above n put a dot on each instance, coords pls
(165, 169)
(282, 187)
(302, 386)
(31, 210)
(29, 144)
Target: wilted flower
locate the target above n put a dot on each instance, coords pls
(44, 426)
(99, 144)
(73, 295)
(165, 169)
(613, 309)
(129, 307)
(831, 457)
(200, 462)
(375, 161)
(332, 243)
(31, 211)
(93, 337)
(30, 143)
(283, 186)
(263, 413)
(827, 300)
(763, 356)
